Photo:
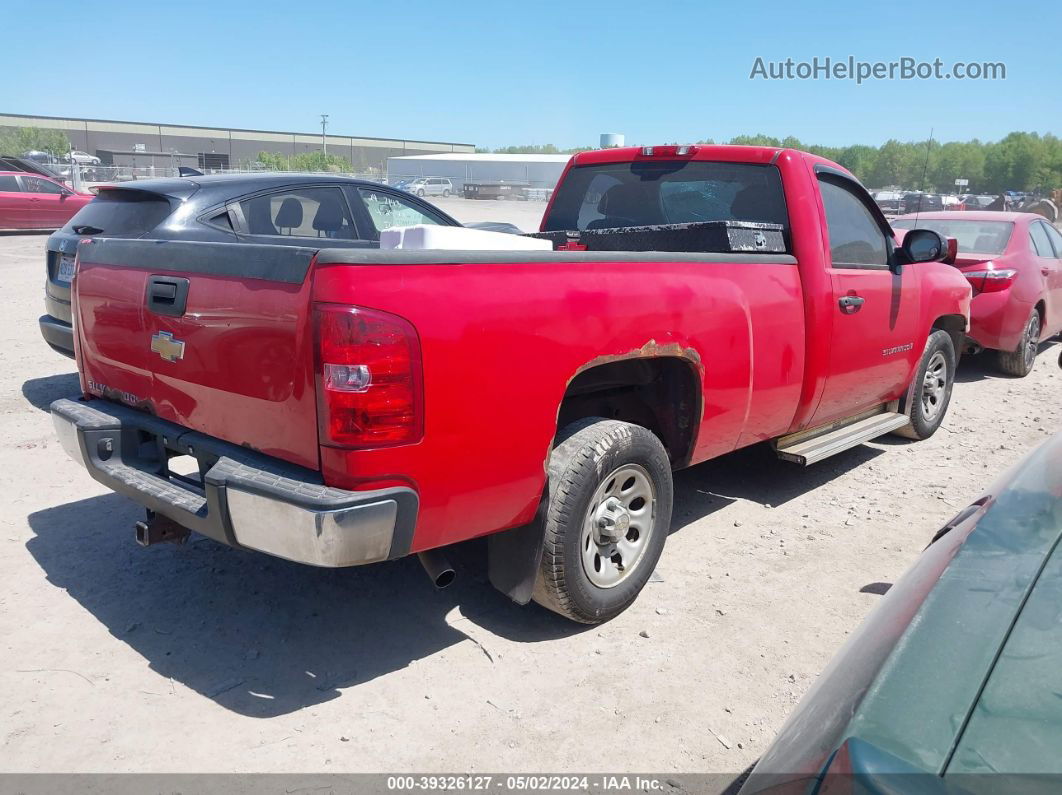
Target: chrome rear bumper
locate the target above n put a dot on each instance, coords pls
(241, 497)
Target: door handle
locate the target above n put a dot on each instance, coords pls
(167, 295)
(1045, 271)
(850, 304)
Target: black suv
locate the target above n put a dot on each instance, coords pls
(922, 203)
(253, 208)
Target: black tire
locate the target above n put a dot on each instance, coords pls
(1020, 361)
(586, 454)
(446, 194)
(421, 193)
(924, 403)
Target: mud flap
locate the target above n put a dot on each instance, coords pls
(514, 557)
(906, 401)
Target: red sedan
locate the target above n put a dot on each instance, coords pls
(1014, 263)
(29, 201)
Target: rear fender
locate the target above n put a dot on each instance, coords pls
(514, 555)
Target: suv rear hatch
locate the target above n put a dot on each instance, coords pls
(115, 212)
(215, 337)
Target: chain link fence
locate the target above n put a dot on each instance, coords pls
(89, 175)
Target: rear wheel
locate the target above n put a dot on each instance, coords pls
(446, 194)
(1019, 362)
(607, 518)
(928, 397)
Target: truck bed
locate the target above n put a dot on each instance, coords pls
(502, 335)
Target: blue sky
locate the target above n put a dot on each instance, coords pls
(497, 73)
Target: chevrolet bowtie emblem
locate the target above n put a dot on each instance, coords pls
(167, 347)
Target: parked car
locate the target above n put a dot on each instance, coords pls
(285, 210)
(1014, 263)
(350, 406)
(891, 202)
(83, 158)
(916, 202)
(955, 675)
(31, 201)
(429, 186)
(976, 202)
(48, 162)
(43, 158)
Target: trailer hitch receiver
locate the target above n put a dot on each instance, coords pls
(158, 529)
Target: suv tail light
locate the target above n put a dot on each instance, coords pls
(991, 281)
(369, 378)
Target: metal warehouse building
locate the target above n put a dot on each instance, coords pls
(541, 171)
(143, 143)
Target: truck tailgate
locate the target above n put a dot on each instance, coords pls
(216, 337)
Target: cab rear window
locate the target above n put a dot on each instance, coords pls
(614, 195)
(121, 213)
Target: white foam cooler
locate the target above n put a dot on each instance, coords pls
(427, 236)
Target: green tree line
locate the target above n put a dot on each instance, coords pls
(16, 140)
(304, 161)
(1021, 161)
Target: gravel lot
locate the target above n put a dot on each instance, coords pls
(526, 215)
(201, 658)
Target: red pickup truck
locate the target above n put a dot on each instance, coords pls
(343, 406)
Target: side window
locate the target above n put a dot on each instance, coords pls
(9, 184)
(1040, 242)
(301, 212)
(1056, 239)
(38, 185)
(856, 240)
(389, 209)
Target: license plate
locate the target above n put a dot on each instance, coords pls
(66, 269)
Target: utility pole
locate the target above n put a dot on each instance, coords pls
(324, 141)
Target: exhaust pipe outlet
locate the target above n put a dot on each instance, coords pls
(439, 570)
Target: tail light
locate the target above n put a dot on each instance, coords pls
(991, 281)
(369, 378)
(952, 252)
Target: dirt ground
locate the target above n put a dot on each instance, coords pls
(525, 215)
(201, 658)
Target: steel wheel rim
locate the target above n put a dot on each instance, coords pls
(1032, 340)
(934, 386)
(619, 523)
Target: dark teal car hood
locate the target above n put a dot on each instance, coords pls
(1016, 725)
(922, 698)
(940, 674)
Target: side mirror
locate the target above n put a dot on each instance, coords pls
(924, 245)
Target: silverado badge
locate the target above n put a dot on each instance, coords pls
(167, 347)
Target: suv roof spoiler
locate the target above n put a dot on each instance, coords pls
(9, 163)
